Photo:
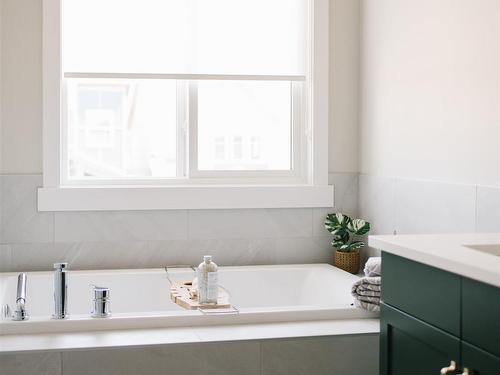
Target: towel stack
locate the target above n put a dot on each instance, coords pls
(366, 291)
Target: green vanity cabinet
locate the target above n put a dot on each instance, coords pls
(424, 292)
(430, 317)
(481, 304)
(479, 362)
(413, 347)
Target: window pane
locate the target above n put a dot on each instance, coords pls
(244, 125)
(121, 128)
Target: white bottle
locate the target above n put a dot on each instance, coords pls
(208, 285)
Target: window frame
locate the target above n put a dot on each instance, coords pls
(305, 185)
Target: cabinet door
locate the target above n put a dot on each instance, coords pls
(427, 293)
(481, 315)
(409, 346)
(478, 361)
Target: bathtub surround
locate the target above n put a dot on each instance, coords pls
(140, 299)
(256, 357)
(410, 206)
(32, 240)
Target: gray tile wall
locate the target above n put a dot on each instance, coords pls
(334, 355)
(409, 206)
(31, 240)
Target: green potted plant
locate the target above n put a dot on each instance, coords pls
(346, 240)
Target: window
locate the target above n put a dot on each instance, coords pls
(120, 129)
(169, 94)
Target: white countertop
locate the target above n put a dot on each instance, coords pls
(450, 252)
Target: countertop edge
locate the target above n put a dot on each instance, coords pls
(472, 271)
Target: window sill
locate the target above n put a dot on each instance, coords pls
(119, 198)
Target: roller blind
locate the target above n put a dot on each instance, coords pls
(214, 37)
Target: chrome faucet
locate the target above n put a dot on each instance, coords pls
(101, 302)
(60, 291)
(21, 313)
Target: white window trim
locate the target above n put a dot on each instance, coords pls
(247, 190)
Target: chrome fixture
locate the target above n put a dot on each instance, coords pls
(60, 291)
(101, 302)
(5, 312)
(20, 313)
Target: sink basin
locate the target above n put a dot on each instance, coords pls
(490, 249)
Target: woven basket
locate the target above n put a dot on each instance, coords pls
(347, 261)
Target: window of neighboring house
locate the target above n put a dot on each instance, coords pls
(168, 92)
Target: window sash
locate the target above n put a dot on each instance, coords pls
(187, 171)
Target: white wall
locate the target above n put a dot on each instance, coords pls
(22, 84)
(430, 116)
(344, 84)
(430, 88)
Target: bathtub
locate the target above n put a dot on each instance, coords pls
(140, 298)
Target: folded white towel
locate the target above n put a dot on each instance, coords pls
(367, 305)
(373, 267)
(367, 286)
(366, 292)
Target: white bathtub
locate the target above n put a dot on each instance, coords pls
(141, 298)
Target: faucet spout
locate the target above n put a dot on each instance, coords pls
(21, 313)
(60, 291)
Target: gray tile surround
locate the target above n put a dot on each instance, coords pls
(30, 240)
(31, 364)
(111, 226)
(321, 356)
(431, 207)
(332, 355)
(377, 203)
(488, 209)
(150, 254)
(21, 222)
(215, 358)
(410, 206)
(253, 223)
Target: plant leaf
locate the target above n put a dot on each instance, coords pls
(344, 248)
(339, 232)
(359, 227)
(355, 245)
(340, 240)
(337, 223)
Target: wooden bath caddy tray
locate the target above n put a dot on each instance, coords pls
(182, 295)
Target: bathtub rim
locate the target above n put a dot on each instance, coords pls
(184, 318)
(139, 338)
